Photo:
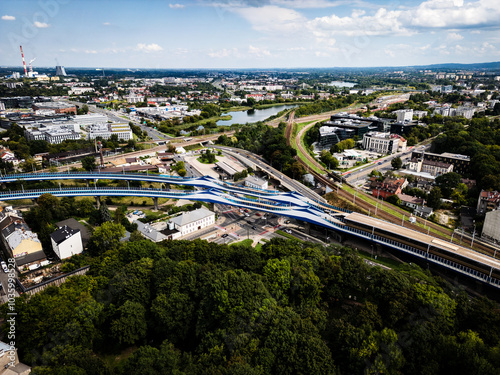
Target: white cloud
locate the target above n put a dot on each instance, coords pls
(258, 52)
(399, 21)
(41, 25)
(454, 36)
(475, 32)
(383, 22)
(93, 52)
(176, 6)
(272, 19)
(454, 13)
(8, 18)
(153, 47)
(223, 53)
(106, 23)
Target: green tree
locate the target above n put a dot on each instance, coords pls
(396, 163)
(130, 325)
(106, 237)
(88, 163)
(278, 276)
(447, 182)
(394, 199)
(104, 214)
(434, 198)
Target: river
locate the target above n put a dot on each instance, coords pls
(243, 117)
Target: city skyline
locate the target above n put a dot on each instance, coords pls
(229, 34)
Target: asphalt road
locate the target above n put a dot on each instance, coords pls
(114, 116)
(382, 165)
(259, 161)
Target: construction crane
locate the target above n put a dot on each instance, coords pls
(24, 62)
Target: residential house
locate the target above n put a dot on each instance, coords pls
(388, 187)
(20, 242)
(488, 201)
(149, 232)
(410, 201)
(66, 242)
(9, 361)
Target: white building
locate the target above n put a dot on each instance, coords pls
(404, 115)
(491, 227)
(419, 114)
(189, 222)
(134, 98)
(105, 131)
(89, 119)
(383, 143)
(434, 168)
(66, 242)
(53, 134)
(149, 232)
(256, 183)
(80, 90)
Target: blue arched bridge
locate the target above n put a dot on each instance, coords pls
(291, 204)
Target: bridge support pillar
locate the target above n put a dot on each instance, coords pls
(87, 181)
(155, 202)
(98, 202)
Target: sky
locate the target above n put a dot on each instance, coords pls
(219, 34)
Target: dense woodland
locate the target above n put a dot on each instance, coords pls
(479, 139)
(270, 143)
(291, 308)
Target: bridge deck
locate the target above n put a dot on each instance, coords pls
(424, 238)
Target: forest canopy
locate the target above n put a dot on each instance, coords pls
(290, 308)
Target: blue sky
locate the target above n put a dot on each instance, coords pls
(248, 34)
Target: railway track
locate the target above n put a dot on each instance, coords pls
(442, 232)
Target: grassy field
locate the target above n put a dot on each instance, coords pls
(205, 162)
(385, 208)
(247, 242)
(287, 235)
(295, 130)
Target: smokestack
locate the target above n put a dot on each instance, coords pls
(24, 62)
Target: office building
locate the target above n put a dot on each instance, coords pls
(57, 107)
(105, 131)
(256, 183)
(53, 134)
(189, 222)
(404, 115)
(383, 143)
(461, 163)
(491, 227)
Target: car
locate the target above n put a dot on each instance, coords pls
(288, 231)
(254, 227)
(258, 214)
(287, 222)
(4, 267)
(224, 235)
